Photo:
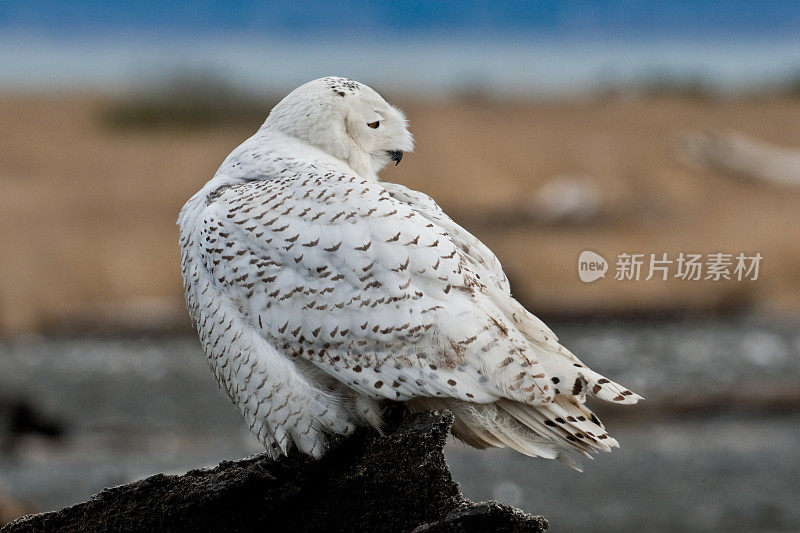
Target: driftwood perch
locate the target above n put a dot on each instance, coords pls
(398, 482)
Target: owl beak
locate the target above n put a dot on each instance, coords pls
(395, 155)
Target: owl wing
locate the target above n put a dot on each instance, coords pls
(482, 259)
(390, 298)
(474, 251)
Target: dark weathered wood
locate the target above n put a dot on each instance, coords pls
(367, 482)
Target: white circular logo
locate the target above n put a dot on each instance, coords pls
(591, 266)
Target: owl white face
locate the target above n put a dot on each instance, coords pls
(376, 127)
(346, 119)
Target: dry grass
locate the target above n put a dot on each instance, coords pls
(88, 213)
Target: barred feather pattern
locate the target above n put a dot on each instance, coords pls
(319, 294)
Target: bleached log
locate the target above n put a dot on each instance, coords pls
(740, 156)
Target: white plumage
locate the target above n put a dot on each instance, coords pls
(318, 293)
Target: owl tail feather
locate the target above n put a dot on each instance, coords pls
(560, 430)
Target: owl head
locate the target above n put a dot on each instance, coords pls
(347, 120)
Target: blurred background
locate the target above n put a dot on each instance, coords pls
(545, 128)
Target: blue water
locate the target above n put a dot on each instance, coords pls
(350, 18)
(511, 47)
(515, 67)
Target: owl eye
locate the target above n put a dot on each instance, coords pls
(374, 125)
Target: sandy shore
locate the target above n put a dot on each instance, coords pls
(89, 213)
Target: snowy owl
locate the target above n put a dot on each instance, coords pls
(320, 294)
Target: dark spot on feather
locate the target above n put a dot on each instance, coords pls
(503, 329)
(580, 383)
